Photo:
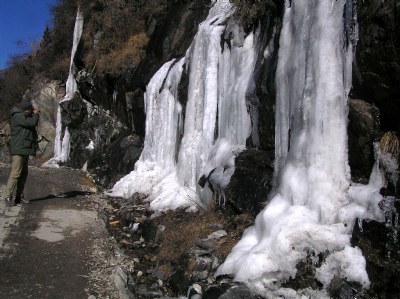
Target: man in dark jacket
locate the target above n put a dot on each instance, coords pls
(23, 143)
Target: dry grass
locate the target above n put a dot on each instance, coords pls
(183, 228)
(130, 53)
(390, 144)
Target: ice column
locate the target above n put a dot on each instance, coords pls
(220, 62)
(62, 144)
(313, 79)
(163, 122)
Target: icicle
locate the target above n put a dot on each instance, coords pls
(62, 143)
(313, 78)
(219, 73)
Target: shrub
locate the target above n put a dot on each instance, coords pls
(128, 54)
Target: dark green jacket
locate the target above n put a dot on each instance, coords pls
(23, 135)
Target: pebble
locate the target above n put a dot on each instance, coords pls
(218, 234)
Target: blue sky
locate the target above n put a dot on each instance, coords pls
(21, 23)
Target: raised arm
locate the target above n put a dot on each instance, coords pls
(26, 121)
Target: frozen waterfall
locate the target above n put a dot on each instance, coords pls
(314, 205)
(62, 139)
(180, 146)
(311, 210)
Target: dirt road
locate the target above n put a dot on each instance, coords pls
(50, 248)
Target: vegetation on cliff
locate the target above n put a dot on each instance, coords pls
(116, 33)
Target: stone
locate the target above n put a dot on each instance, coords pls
(203, 263)
(204, 244)
(124, 283)
(218, 234)
(199, 252)
(200, 275)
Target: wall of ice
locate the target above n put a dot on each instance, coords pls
(312, 209)
(181, 146)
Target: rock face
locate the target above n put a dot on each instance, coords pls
(376, 71)
(261, 99)
(251, 182)
(46, 95)
(99, 142)
(379, 243)
(118, 159)
(363, 130)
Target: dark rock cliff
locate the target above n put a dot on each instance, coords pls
(376, 70)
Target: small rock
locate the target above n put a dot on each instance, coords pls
(199, 252)
(218, 234)
(202, 263)
(204, 244)
(197, 288)
(200, 275)
(124, 283)
(215, 263)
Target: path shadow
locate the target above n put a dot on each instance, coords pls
(68, 194)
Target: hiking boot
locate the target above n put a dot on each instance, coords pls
(10, 202)
(21, 199)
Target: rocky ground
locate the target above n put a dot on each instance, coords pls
(170, 253)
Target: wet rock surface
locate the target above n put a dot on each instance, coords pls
(363, 131)
(379, 243)
(99, 142)
(118, 159)
(376, 69)
(251, 182)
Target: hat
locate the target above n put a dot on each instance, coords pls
(25, 105)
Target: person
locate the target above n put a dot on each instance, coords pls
(22, 144)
